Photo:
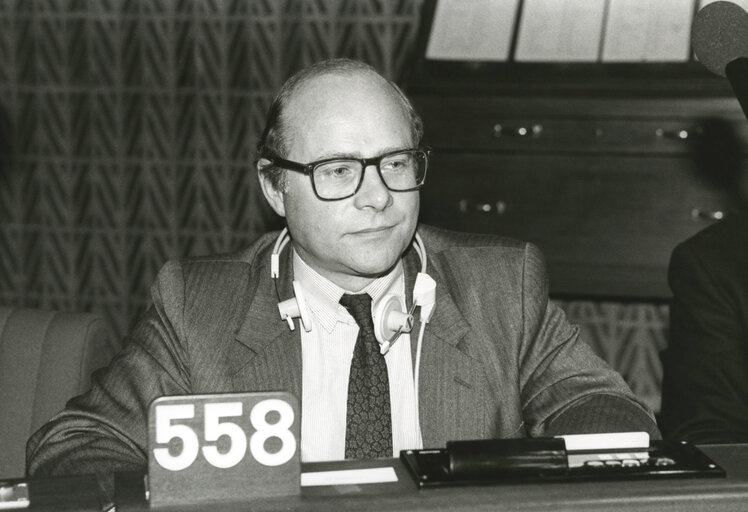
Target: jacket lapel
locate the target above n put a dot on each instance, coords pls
(452, 380)
(267, 355)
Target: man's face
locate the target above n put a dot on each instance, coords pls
(354, 240)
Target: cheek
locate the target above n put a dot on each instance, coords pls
(310, 218)
(409, 205)
(415, 204)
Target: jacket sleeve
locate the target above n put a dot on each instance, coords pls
(105, 429)
(565, 387)
(705, 378)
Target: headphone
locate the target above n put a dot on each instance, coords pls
(390, 316)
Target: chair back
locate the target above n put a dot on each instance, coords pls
(46, 358)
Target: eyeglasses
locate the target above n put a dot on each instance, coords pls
(339, 178)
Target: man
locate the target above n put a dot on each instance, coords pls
(705, 367)
(341, 160)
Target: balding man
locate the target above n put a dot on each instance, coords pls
(485, 355)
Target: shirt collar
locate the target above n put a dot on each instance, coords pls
(323, 296)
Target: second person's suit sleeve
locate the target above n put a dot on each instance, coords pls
(705, 379)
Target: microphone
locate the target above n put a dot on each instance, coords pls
(719, 37)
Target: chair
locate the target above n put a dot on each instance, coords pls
(46, 358)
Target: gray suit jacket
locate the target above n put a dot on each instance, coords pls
(498, 360)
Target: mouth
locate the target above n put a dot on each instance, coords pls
(373, 231)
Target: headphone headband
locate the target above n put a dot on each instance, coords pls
(391, 317)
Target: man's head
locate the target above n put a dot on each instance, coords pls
(341, 108)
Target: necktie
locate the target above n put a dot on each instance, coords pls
(368, 419)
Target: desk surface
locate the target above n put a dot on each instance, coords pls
(678, 494)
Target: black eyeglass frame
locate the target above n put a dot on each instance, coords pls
(376, 161)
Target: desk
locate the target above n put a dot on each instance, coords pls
(681, 495)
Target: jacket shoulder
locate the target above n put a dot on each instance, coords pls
(439, 240)
(482, 260)
(215, 276)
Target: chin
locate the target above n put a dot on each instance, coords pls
(374, 267)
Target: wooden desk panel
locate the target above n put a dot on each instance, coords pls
(682, 495)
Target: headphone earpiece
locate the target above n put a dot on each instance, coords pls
(424, 295)
(296, 307)
(390, 320)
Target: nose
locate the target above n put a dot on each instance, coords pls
(373, 192)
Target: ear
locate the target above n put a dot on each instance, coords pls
(274, 196)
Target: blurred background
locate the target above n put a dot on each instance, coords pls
(128, 128)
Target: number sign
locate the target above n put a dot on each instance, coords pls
(223, 447)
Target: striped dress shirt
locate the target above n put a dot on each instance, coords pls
(327, 351)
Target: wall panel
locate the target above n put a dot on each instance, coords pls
(127, 131)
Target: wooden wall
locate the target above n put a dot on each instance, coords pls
(127, 130)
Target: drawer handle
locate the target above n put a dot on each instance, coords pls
(533, 131)
(498, 208)
(679, 133)
(699, 214)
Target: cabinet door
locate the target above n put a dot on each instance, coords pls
(606, 224)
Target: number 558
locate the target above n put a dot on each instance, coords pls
(178, 421)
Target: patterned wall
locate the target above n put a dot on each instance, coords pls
(630, 337)
(126, 136)
(131, 127)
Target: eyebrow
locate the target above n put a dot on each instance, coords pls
(358, 156)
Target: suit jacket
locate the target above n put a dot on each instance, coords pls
(498, 359)
(705, 367)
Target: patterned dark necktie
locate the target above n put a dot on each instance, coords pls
(368, 422)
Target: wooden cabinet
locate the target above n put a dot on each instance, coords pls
(605, 183)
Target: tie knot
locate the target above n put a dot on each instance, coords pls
(359, 306)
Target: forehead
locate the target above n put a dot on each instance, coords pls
(359, 107)
(333, 88)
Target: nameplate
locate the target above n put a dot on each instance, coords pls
(223, 448)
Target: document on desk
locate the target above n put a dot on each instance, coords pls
(560, 31)
(14, 496)
(648, 31)
(479, 30)
(349, 477)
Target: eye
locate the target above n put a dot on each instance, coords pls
(336, 170)
(397, 163)
(340, 171)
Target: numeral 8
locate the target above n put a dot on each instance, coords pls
(265, 430)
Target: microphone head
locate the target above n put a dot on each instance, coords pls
(719, 35)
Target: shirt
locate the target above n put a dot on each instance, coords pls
(327, 351)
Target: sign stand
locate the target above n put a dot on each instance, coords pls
(223, 448)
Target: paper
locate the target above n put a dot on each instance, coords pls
(475, 30)
(606, 441)
(640, 31)
(14, 496)
(349, 477)
(560, 30)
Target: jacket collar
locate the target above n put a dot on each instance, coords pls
(447, 323)
(267, 356)
(263, 325)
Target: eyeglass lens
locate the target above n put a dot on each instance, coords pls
(341, 178)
